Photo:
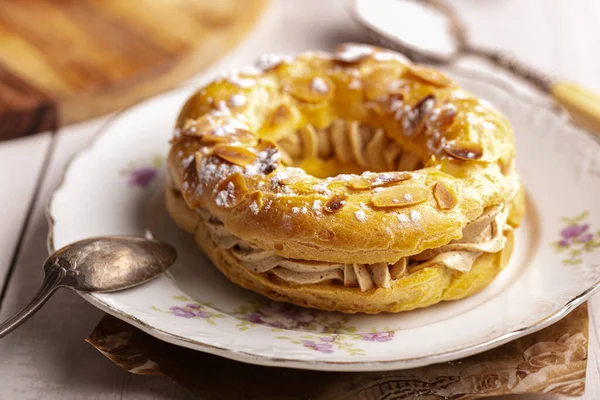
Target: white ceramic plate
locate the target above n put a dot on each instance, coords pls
(115, 187)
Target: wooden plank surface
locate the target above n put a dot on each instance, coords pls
(21, 163)
(72, 60)
(47, 357)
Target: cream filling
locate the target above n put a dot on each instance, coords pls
(483, 235)
(348, 142)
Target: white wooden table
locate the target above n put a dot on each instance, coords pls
(48, 358)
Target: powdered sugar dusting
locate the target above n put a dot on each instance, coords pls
(237, 100)
(226, 196)
(211, 170)
(403, 219)
(319, 85)
(415, 216)
(269, 61)
(354, 84)
(360, 215)
(254, 207)
(265, 162)
(321, 188)
(241, 82)
(317, 207)
(187, 161)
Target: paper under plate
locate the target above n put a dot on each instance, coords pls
(115, 187)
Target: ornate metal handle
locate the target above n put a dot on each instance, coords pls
(52, 281)
(537, 78)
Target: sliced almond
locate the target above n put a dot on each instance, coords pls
(467, 151)
(378, 84)
(315, 89)
(360, 183)
(292, 175)
(402, 195)
(444, 196)
(189, 127)
(268, 155)
(415, 119)
(335, 203)
(442, 118)
(255, 201)
(235, 155)
(231, 190)
(430, 75)
(379, 180)
(239, 135)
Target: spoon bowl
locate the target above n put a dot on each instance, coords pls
(424, 30)
(101, 264)
(107, 264)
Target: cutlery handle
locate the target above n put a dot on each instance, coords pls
(581, 103)
(51, 282)
(503, 60)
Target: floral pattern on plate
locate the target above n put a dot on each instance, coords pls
(332, 332)
(288, 316)
(576, 239)
(192, 309)
(143, 174)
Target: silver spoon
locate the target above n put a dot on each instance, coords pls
(430, 31)
(102, 264)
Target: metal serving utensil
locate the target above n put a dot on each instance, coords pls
(102, 264)
(399, 34)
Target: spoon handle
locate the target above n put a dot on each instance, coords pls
(582, 104)
(51, 282)
(539, 79)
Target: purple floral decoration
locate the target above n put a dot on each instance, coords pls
(576, 239)
(575, 234)
(323, 345)
(279, 316)
(142, 176)
(189, 311)
(378, 336)
(192, 310)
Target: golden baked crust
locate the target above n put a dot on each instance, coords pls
(339, 236)
(417, 290)
(274, 156)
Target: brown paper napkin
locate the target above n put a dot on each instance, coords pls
(552, 360)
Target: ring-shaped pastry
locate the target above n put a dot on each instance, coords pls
(354, 181)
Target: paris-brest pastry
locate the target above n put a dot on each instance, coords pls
(354, 181)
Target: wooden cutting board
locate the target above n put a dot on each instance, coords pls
(63, 61)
